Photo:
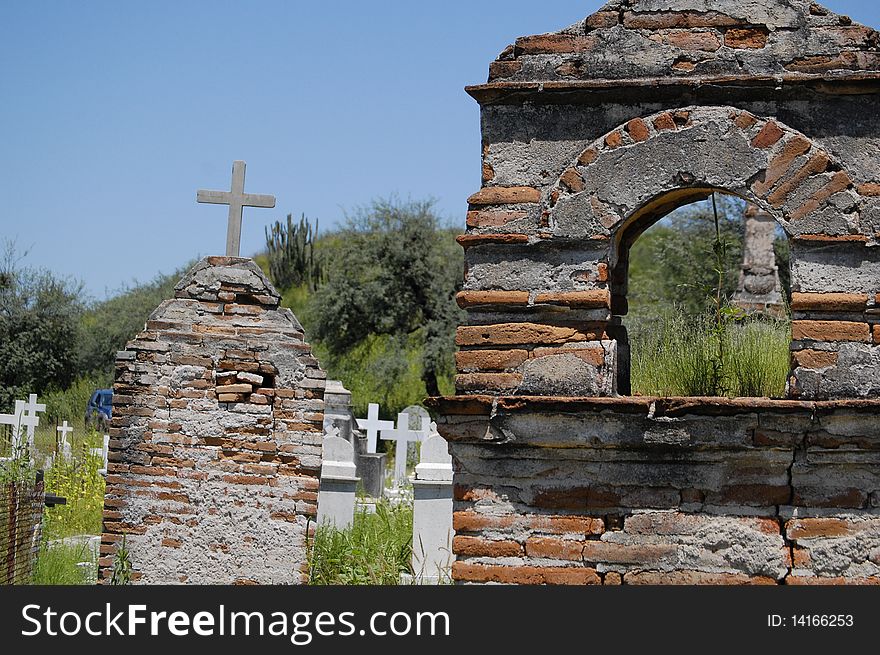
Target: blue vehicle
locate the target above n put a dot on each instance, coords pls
(99, 409)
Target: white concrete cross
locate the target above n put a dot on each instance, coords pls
(372, 425)
(30, 419)
(236, 198)
(402, 435)
(64, 429)
(24, 416)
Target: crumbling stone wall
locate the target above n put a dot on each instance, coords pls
(215, 447)
(591, 135)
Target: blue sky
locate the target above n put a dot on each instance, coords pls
(113, 114)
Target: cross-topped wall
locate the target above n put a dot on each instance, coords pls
(216, 436)
(591, 135)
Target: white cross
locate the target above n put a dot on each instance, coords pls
(65, 429)
(103, 452)
(236, 198)
(402, 435)
(372, 425)
(31, 420)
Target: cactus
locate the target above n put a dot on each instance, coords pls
(291, 251)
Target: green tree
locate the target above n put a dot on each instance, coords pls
(393, 270)
(108, 325)
(38, 328)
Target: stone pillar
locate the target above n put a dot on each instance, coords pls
(432, 512)
(215, 441)
(759, 290)
(338, 414)
(338, 482)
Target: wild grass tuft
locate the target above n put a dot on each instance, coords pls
(375, 550)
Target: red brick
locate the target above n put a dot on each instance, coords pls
(593, 356)
(746, 38)
(664, 122)
(869, 189)
(475, 522)
(814, 359)
(593, 299)
(477, 547)
(572, 180)
(471, 240)
(245, 479)
(467, 572)
(614, 139)
(506, 334)
(829, 302)
(707, 40)
(501, 195)
(480, 219)
(811, 528)
(840, 181)
(768, 136)
(641, 554)
(502, 69)
(744, 120)
(837, 581)
(489, 360)
(876, 334)
(475, 298)
(637, 129)
(781, 163)
(588, 156)
(756, 494)
(550, 548)
(172, 543)
(681, 19)
(612, 578)
(830, 331)
(603, 19)
(548, 44)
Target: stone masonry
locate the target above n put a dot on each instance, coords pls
(589, 136)
(216, 436)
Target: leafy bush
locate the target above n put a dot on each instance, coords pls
(374, 550)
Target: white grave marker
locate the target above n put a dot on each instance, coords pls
(65, 429)
(373, 425)
(103, 452)
(236, 198)
(24, 416)
(432, 511)
(336, 494)
(402, 435)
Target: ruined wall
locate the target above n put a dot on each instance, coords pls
(215, 444)
(664, 491)
(591, 135)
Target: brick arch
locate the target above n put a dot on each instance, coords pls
(640, 171)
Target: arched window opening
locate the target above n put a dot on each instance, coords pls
(706, 310)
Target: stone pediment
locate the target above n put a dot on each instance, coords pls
(691, 40)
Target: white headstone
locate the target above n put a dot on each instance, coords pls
(403, 435)
(103, 452)
(432, 511)
(65, 429)
(373, 425)
(336, 495)
(236, 198)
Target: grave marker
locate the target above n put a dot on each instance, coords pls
(373, 425)
(402, 434)
(64, 430)
(336, 495)
(432, 511)
(237, 199)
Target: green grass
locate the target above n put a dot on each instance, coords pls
(58, 564)
(673, 355)
(375, 550)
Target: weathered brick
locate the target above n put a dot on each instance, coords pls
(507, 334)
(746, 37)
(693, 578)
(551, 548)
(502, 69)
(840, 181)
(664, 122)
(769, 135)
(593, 299)
(812, 528)
(487, 218)
(781, 163)
(637, 130)
(588, 156)
(501, 195)
(534, 575)
(603, 19)
(815, 359)
(871, 189)
(548, 44)
(704, 40)
(745, 120)
(830, 331)
(572, 180)
(471, 240)
(678, 19)
(829, 302)
(477, 547)
(506, 298)
(593, 356)
(489, 360)
(614, 139)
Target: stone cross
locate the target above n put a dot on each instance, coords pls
(236, 198)
(373, 425)
(65, 429)
(402, 435)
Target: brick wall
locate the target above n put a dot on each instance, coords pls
(664, 491)
(215, 444)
